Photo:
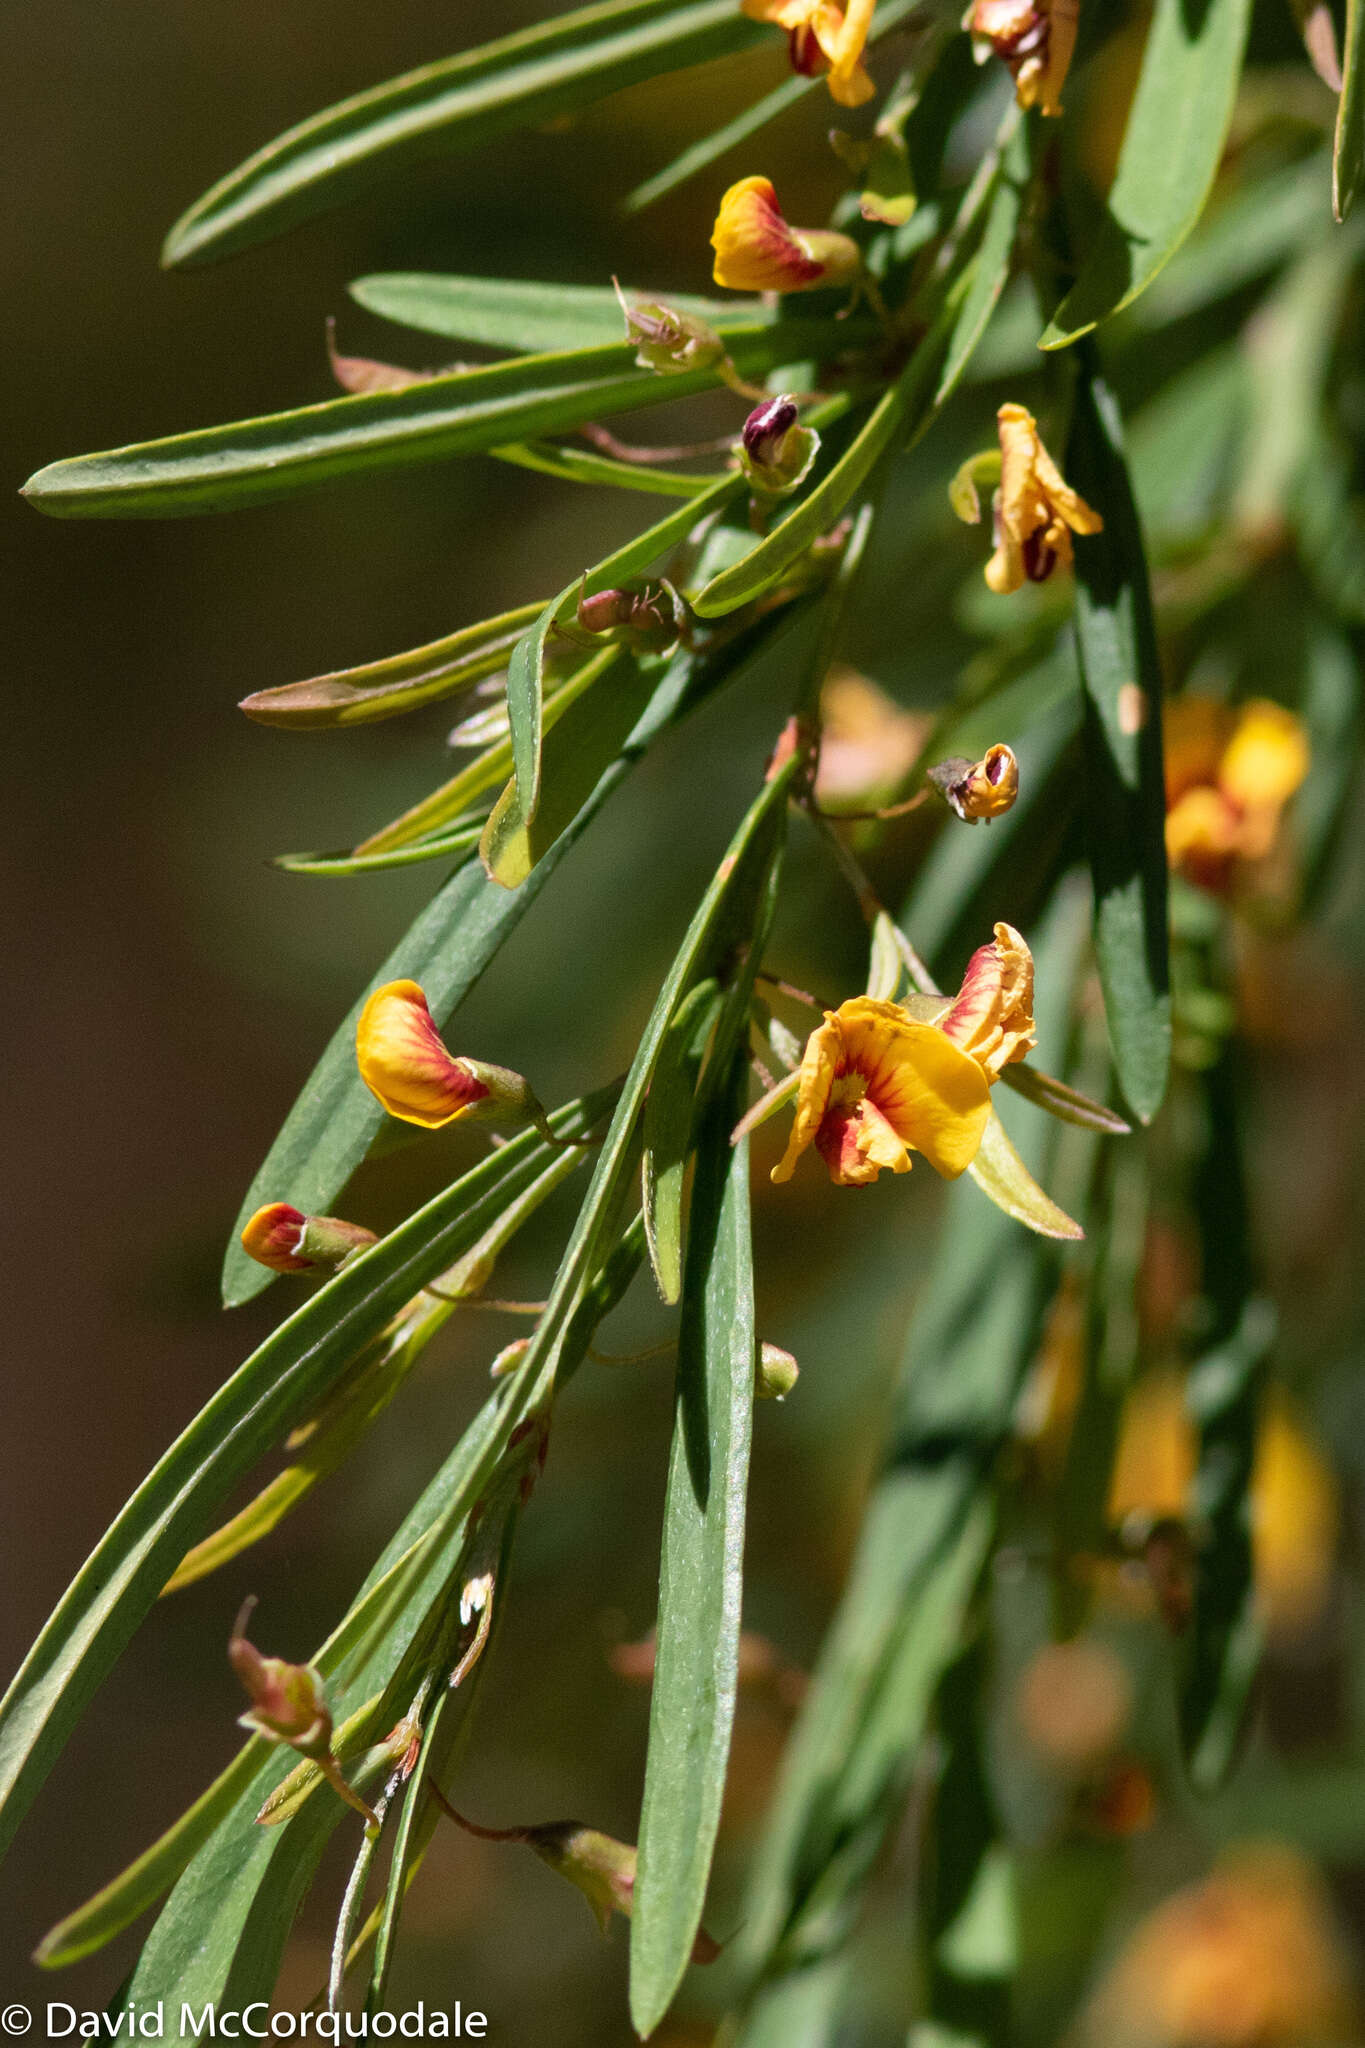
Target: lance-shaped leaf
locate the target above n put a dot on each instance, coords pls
(1124, 787)
(456, 844)
(1348, 150)
(278, 1384)
(1004, 1179)
(700, 1573)
(1171, 147)
(504, 312)
(401, 682)
(545, 71)
(577, 466)
(465, 412)
(668, 1131)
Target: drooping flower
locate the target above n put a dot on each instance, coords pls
(824, 37)
(1035, 38)
(758, 251)
(283, 1238)
(1229, 775)
(404, 1062)
(877, 1083)
(288, 1701)
(1035, 509)
(977, 790)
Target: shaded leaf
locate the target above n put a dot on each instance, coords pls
(668, 1131)
(1061, 1101)
(399, 683)
(1167, 161)
(700, 1575)
(1124, 784)
(1004, 1179)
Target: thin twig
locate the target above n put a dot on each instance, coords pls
(871, 905)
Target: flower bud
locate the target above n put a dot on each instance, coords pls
(604, 1871)
(405, 1065)
(775, 450)
(758, 251)
(976, 790)
(651, 616)
(666, 340)
(776, 1374)
(283, 1238)
(288, 1703)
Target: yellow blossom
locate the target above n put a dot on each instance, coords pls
(979, 790)
(1035, 38)
(404, 1063)
(1229, 775)
(1036, 511)
(1295, 1511)
(757, 251)
(823, 36)
(877, 1083)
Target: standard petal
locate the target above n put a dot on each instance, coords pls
(404, 1063)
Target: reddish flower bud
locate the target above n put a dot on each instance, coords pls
(285, 1239)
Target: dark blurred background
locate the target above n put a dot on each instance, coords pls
(170, 991)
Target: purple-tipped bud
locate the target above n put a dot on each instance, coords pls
(775, 450)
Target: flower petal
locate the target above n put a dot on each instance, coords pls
(819, 1065)
(403, 1062)
(992, 1018)
(755, 249)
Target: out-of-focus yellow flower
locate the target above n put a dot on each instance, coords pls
(1229, 774)
(1295, 1512)
(1074, 1703)
(868, 744)
(822, 36)
(877, 1083)
(1246, 1959)
(1295, 1509)
(758, 251)
(1035, 509)
(978, 790)
(1157, 1451)
(1035, 38)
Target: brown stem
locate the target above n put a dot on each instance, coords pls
(789, 988)
(628, 451)
(472, 1827)
(877, 817)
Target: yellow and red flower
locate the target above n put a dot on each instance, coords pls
(1229, 775)
(1035, 38)
(876, 1083)
(283, 1238)
(404, 1062)
(758, 251)
(1035, 509)
(824, 37)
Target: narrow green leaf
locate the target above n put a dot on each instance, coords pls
(990, 272)
(466, 412)
(1004, 1179)
(701, 155)
(668, 1131)
(1061, 1101)
(578, 466)
(578, 749)
(526, 670)
(456, 844)
(276, 1386)
(1348, 148)
(700, 1575)
(502, 312)
(1168, 159)
(401, 682)
(551, 69)
(1124, 785)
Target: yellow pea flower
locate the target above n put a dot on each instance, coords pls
(406, 1065)
(877, 1083)
(1036, 511)
(823, 36)
(757, 250)
(1035, 38)
(1229, 775)
(979, 790)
